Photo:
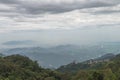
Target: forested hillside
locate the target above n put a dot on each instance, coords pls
(17, 67)
(96, 63)
(103, 70)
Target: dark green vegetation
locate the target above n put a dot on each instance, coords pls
(17, 67)
(108, 69)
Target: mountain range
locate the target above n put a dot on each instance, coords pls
(63, 54)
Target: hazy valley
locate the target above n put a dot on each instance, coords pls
(55, 56)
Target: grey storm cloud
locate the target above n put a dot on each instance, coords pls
(38, 7)
(106, 12)
(62, 7)
(9, 1)
(57, 14)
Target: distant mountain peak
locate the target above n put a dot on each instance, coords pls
(22, 42)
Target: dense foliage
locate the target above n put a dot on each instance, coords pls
(17, 67)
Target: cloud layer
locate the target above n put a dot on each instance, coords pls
(58, 14)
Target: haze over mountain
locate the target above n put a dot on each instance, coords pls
(64, 54)
(26, 42)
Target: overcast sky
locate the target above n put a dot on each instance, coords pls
(60, 21)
